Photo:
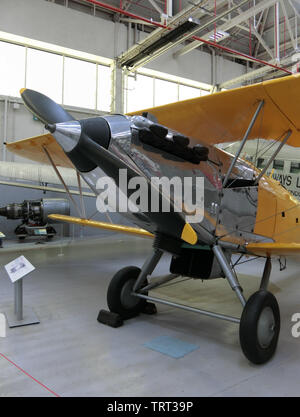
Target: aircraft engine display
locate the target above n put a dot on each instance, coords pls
(34, 215)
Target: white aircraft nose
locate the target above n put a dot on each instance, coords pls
(67, 134)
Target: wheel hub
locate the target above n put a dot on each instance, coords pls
(266, 327)
(128, 300)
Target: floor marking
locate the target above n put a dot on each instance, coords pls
(30, 376)
(170, 346)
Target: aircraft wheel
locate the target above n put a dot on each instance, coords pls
(260, 327)
(119, 298)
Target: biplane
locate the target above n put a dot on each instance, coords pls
(245, 211)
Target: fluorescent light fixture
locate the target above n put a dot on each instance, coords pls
(166, 39)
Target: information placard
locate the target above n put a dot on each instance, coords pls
(18, 268)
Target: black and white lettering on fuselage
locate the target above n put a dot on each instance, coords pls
(289, 181)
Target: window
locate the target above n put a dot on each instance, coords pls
(204, 93)
(295, 167)
(165, 92)
(12, 69)
(104, 88)
(260, 163)
(151, 88)
(139, 93)
(45, 73)
(79, 83)
(278, 164)
(68, 81)
(186, 92)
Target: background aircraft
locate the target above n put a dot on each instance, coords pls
(284, 169)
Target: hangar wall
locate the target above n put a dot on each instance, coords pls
(49, 22)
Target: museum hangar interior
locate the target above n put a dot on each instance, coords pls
(98, 300)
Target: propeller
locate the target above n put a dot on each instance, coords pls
(45, 109)
(67, 131)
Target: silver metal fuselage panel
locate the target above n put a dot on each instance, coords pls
(232, 208)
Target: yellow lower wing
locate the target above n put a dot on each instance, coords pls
(188, 233)
(274, 249)
(101, 225)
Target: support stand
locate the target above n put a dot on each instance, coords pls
(20, 316)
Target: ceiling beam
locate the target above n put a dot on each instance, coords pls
(136, 51)
(257, 34)
(260, 72)
(156, 6)
(287, 20)
(228, 25)
(288, 45)
(261, 29)
(259, 38)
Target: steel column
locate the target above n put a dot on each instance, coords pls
(18, 289)
(5, 129)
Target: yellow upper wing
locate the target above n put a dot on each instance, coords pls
(217, 118)
(225, 116)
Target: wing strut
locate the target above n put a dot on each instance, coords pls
(288, 134)
(81, 196)
(254, 118)
(62, 180)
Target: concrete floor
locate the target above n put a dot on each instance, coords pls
(70, 353)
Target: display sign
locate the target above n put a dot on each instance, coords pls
(18, 268)
(40, 232)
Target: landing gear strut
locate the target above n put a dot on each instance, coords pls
(127, 296)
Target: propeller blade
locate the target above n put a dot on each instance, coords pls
(45, 109)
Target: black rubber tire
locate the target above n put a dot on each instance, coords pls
(126, 276)
(249, 339)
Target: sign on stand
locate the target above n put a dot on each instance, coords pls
(17, 270)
